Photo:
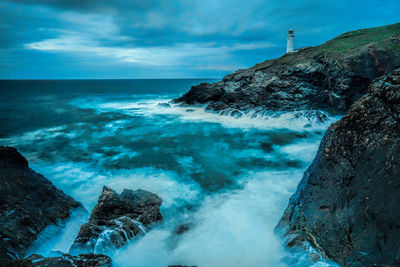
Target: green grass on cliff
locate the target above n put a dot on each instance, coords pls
(343, 44)
(352, 40)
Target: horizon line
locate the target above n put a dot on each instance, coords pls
(91, 79)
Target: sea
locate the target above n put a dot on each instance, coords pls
(225, 179)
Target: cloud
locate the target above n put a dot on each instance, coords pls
(193, 36)
(154, 56)
(92, 5)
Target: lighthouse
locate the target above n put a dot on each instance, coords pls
(290, 41)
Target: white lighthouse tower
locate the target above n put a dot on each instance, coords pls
(290, 41)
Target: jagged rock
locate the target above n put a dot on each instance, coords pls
(329, 77)
(83, 260)
(116, 219)
(28, 203)
(348, 202)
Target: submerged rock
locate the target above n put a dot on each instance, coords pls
(329, 77)
(28, 204)
(164, 105)
(65, 260)
(116, 219)
(348, 202)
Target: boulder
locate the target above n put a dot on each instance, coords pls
(116, 219)
(28, 204)
(348, 203)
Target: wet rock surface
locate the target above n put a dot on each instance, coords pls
(348, 202)
(83, 260)
(116, 219)
(328, 77)
(28, 203)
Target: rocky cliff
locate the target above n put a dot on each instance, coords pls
(329, 77)
(28, 203)
(348, 202)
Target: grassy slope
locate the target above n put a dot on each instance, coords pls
(343, 44)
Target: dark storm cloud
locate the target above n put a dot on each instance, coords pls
(18, 25)
(175, 38)
(93, 5)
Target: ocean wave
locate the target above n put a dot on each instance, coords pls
(255, 118)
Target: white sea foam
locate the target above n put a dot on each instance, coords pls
(231, 229)
(43, 133)
(84, 182)
(40, 135)
(297, 121)
(303, 150)
(59, 237)
(251, 119)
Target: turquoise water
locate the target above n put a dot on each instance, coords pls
(227, 179)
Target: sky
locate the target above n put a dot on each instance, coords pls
(122, 39)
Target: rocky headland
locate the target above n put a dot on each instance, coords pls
(329, 77)
(348, 202)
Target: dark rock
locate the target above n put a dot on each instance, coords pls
(164, 105)
(204, 91)
(295, 241)
(10, 156)
(28, 203)
(91, 259)
(314, 257)
(183, 228)
(348, 202)
(83, 260)
(328, 77)
(116, 219)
